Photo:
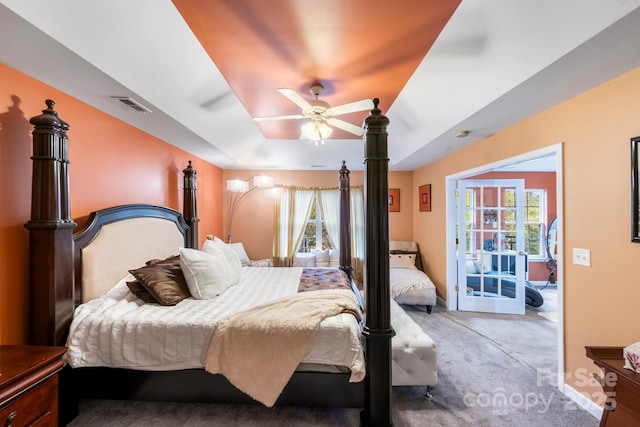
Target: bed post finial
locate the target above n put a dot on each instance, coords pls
(50, 231)
(345, 220)
(190, 208)
(377, 330)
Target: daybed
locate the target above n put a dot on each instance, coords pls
(68, 273)
(410, 285)
(532, 296)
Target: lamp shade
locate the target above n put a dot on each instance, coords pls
(237, 185)
(263, 181)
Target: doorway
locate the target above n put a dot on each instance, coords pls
(552, 156)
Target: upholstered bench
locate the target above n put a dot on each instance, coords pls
(413, 353)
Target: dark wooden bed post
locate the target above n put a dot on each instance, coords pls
(190, 208)
(377, 330)
(345, 220)
(50, 231)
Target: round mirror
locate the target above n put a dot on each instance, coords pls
(552, 240)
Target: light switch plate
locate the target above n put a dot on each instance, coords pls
(582, 257)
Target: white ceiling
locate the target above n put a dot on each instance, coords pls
(495, 63)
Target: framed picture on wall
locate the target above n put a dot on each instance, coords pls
(394, 200)
(635, 191)
(424, 192)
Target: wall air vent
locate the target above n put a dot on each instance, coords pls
(133, 104)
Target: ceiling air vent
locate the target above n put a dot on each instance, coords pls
(133, 104)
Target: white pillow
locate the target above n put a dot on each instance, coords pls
(233, 261)
(239, 249)
(207, 275)
(481, 267)
(304, 260)
(474, 267)
(334, 258)
(402, 261)
(322, 258)
(471, 266)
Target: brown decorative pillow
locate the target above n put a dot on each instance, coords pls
(138, 290)
(163, 280)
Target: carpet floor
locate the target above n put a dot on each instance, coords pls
(493, 370)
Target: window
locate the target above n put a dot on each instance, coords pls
(315, 236)
(534, 215)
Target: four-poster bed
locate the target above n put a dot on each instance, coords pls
(64, 264)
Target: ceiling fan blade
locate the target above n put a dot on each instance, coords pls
(364, 104)
(293, 116)
(351, 128)
(295, 97)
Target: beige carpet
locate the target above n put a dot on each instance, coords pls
(549, 309)
(488, 375)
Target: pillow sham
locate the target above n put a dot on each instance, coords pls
(239, 250)
(418, 258)
(304, 260)
(475, 267)
(322, 258)
(334, 258)
(164, 280)
(215, 247)
(471, 266)
(402, 261)
(207, 275)
(139, 291)
(481, 268)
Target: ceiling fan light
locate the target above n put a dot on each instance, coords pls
(309, 131)
(325, 131)
(316, 131)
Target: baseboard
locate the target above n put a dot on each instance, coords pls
(583, 401)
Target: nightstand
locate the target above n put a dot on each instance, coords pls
(621, 386)
(29, 384)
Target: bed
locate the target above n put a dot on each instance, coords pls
(410, 285)
(479, 276)
(71, 269)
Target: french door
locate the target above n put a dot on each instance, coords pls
(490, 246)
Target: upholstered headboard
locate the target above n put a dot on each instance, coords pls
(122, 238)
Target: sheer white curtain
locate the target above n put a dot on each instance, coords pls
(357, 233)
(292, 212)
(330, 205)
(330, 211)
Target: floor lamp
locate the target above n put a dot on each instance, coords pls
(240, 189)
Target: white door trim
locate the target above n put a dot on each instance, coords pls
(451, 256)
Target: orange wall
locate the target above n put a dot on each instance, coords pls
(595, 129)
(111, 163)
(253, 218)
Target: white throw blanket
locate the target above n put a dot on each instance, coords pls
(406, 279)
(259, 349)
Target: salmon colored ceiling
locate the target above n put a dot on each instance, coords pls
(355, 49)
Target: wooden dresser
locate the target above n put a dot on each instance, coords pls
(622, 386)
(29, 385)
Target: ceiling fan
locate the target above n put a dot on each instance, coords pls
(321, 115)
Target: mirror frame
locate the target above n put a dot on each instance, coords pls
(553, 225)
(635, 188)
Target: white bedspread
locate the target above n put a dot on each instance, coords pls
(118, 330)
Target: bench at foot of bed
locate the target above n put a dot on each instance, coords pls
(413, 353)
